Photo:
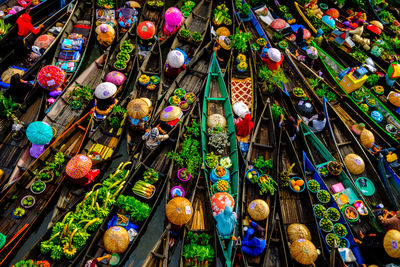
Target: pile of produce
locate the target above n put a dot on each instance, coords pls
(127, 47)
(4, 27)
(107, 4)
(197, 249)
(70, 235)
(31, 263)
(143, 189)
(221, 15)
(138, 210)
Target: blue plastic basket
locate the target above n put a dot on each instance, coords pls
(295, 179)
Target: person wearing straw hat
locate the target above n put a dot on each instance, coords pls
(175, 63)
(104, 98)
(272, 57)
(223, 49)
(253, 243)
(153, 138)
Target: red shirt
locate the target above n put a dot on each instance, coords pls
(25, 26)
(271, 64)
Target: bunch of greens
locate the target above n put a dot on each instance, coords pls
(82, 94)
(218, 139)
(324, 91)
(72, 233)
(277, 111)
(221, 15)
(240, 40)
(7, 107)
(262, 165)
(189, 156)
(197, 249)
(138, 210)
(271, 80)
(117, 117)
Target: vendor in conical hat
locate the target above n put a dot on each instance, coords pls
(105, 35)
(243, 124)
(223, 48)
(272, 57)
(175, 64)
(126, 16)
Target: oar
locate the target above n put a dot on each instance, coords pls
(15, 236)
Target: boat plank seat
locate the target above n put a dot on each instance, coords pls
(263, 145)
(158, 255)
(345, 143)
(215, 99)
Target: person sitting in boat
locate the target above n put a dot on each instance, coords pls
(173, 21)
(226, 222)
(126, 16)
(272, 57)
(18, 88)
(317, 122)
(104, 99)
(291, 126)
(153, 138)
(243, 125)
(24, 28)
(175, 64)
(253, 243)
(353, 21)
(390, 156)
(222, 49)
(146, 33)
(105, 35)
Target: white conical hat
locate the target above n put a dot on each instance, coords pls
(175, 59)
(240, 109)
(274, 54)
(105, 90)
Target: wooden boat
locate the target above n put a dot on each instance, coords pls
(192, 80)
(198, 21)
(242, 88)
(151, 66)
(156, 160)
(37, 13)
(334, 69)
(104, 138)
(119, 178)
(158, 256)
(320, 156)
(262, 146)
(154, 14)
(83, 23)
(17, 229)
(13, 146)
(202, 221)
(216, 101)
(289, 162)
(30, 68)
(346, 144)
(311, 173)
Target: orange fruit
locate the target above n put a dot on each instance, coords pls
(296, 188)
(300, 183)
(293, 183)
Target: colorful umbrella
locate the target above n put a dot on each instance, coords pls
(278, 24)
(44, 41)
(333, 12)
(391, 243)
(78, 166)
(328, 20)
(175, 59)
(179, 210)
(170, 113)
(39, 133)
(116, 78)
(116, 240)
(394, 70)
(105, 90)
(51, 77)
(146, 30)
(173, 17)
(138, 109)
(220, 200)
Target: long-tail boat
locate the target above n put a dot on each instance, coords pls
(216, 101)
(16, 222)
(158, 256)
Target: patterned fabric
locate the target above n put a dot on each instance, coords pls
(220, 201)
(244, 147)
(242, 90)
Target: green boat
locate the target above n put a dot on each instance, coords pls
(387, 117)
(321, 157)
(216, 101)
